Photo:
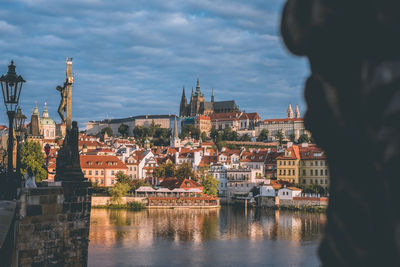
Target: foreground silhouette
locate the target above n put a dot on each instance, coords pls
(353, 101)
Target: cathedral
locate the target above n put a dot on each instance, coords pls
(198, 105)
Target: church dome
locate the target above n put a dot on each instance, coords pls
(46, 120)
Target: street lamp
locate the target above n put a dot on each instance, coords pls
(19, 122)
(11, 85)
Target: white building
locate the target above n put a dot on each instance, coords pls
(288, 193)
(288, 126)
(219, 172)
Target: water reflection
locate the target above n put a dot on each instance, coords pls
(204, 237)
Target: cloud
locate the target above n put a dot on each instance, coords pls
(133, 57)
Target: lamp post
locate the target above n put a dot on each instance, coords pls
(19, 122)
(11, 85)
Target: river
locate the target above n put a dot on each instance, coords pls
(210, 237)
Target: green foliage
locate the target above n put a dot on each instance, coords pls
(292, 137)
(279, 136)
(118, 191)
(189, 130)
(138, 183)
(214, 133)
(204, 136)
(229, 135)
(314, 189)
(263, 136)
(123, 130)
(245, 138)
(159, 136)
(165, 170)
(303, 139)
(185, 171)
(210, 186)
(32, 157)
(123, 178)
(255, 190)
(107, 130)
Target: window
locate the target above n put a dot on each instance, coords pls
(311, 181)
(90, 172)
(316, 181)
(316, 163)
(102, 181)
(304, 181)
(321, 172)
(102, 172)
(284, 172)
(284, 163)
(289, 163)
(280, 172)
(311, 163)
(326, 181)
(294, 163)
(311, 173)
(289, 171)
(97, 172)
(84, 172)
(321, 181)
(294, 172)
(304, 172)
(326, 172)
(280, 162)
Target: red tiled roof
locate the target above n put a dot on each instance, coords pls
(282, 120)
(173, 183)
(100, 162)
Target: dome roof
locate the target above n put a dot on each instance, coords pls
(47, 121)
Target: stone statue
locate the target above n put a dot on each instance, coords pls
(68, 166)
(65, 91)
(63, 102)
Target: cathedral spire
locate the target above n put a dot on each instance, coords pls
(212, 95)
(289, 112)
(183, 105)
(297, 112)
(45, 113)
(192, 91)
(198, 92)
(36, 110)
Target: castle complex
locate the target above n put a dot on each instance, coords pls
(198, 105)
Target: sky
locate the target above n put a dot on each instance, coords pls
(133, 57)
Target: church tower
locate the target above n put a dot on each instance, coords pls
(35, 122)
(297, 112)
(289, 112)
(175, 140)
(183, 106)
(212, 95)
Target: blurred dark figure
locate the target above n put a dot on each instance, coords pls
(353, 99)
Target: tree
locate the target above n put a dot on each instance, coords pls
(33, 158)
(190, 130)
(229, 135)
(138, 183)
(165, 170)
(292, 137)
(210, 186)
(123, 130)
(263, 136)
(214, 133)
(118, 191)
(303, 139)
(204, 136)
(185, 171)
(107, 130)
(279, 136)
(123, 178)
(245, 138)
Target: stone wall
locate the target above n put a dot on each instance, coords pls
(55, 226)
(104, 200)
(268, 202)
(301, 202)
